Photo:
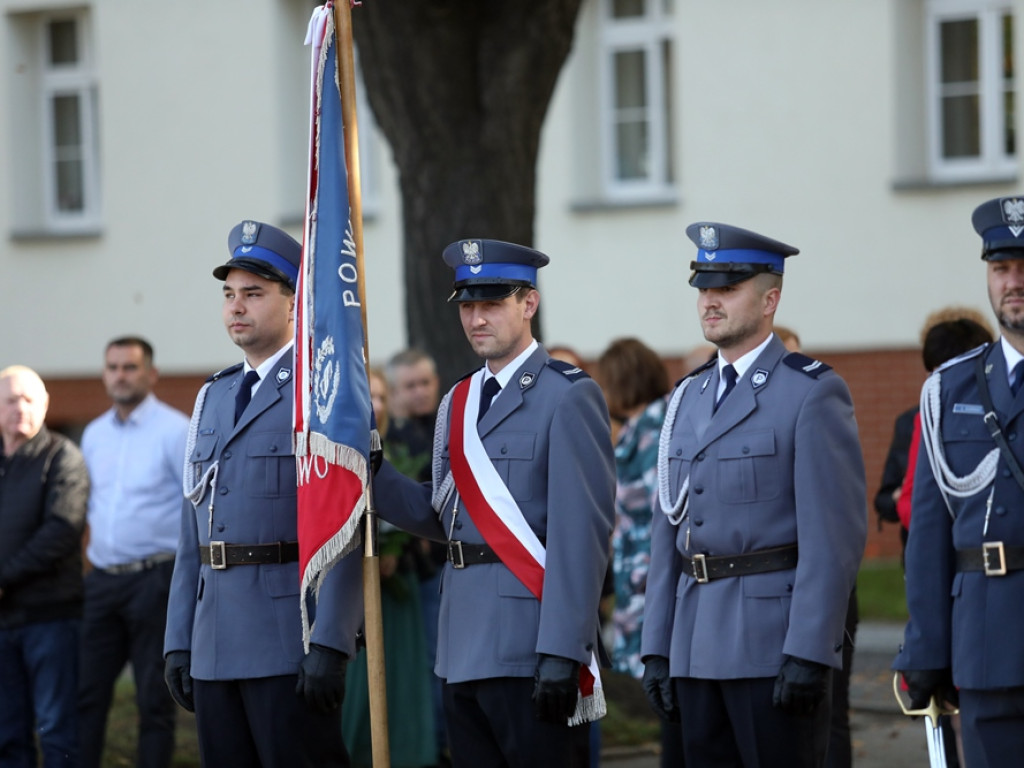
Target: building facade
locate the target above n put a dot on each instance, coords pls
(133, 135)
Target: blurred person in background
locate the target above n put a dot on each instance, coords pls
(635, 385)
(44, 493)
(408, 674)
(134, 453)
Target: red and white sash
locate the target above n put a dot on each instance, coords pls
(496, 514)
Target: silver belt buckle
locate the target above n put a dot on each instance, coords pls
(987, 549)
(453, 548)
(218, 556)
(700, 568)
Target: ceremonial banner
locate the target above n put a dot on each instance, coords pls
(332, 397)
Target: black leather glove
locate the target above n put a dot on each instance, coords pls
(322, 678)
(658, 687)
(556, 685)
(801, 686)
(178, 676)
(922, 684)
(376, 459)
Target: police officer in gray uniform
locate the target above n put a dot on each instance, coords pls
(234, 648)
(759, 527)
(965, 553)
(523, 494)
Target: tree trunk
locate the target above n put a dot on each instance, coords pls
(460, 89)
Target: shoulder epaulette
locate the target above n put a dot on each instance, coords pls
(807, 365)
(969, 355)
(225, 372)
(570, 371)
(699, 369)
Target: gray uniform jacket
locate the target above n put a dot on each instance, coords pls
(547, 434)
(245, 621)
(967, 620)
(778, 464)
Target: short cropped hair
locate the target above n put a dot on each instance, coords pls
(134, 341)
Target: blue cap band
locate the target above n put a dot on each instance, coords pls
(1001, 235)
(278, 262)
(502, 271)
(742, 256)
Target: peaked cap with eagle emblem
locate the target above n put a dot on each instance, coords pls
(1000, 223)
(727, 255)
(263, 250)
(487, 270)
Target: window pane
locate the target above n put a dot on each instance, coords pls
(666, 64)
(1009, 131)
(1008, 67)
(631, 150)
(1009, 100)
(626, 9)
(63, 42)
(66, 121)
(69, 186)
(630, 80)
(960, 51)
(961, 129)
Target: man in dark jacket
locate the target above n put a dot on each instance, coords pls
(44, 491)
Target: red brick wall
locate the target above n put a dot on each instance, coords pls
(883, 383)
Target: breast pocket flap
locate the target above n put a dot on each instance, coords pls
(269, 444)
(512, 445)
(746, 444)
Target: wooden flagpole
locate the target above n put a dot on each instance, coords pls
(374, 626)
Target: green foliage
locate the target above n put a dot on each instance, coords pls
(881, 595)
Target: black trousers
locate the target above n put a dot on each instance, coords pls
(733, 723)
(492, 723)
(992, 726)
(263, 723)
(124, 620)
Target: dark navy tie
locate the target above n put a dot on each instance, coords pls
(490, 389)
(244, 394)
(1018, 378)
(729, 374)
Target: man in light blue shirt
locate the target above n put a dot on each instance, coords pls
(134, 453)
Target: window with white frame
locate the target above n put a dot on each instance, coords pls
(971, 97)
(636, 104)
(69, 163)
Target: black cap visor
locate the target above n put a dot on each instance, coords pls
(489, 291)
(721, 275)
(256, 267)
(1003, 254)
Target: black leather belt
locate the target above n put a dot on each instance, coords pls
(461, 554)
(705, 568)
(220, 555)
(991, 557)
(138, 566)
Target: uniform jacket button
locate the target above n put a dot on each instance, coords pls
(223, 491)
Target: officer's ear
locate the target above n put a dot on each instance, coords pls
(530, 303)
